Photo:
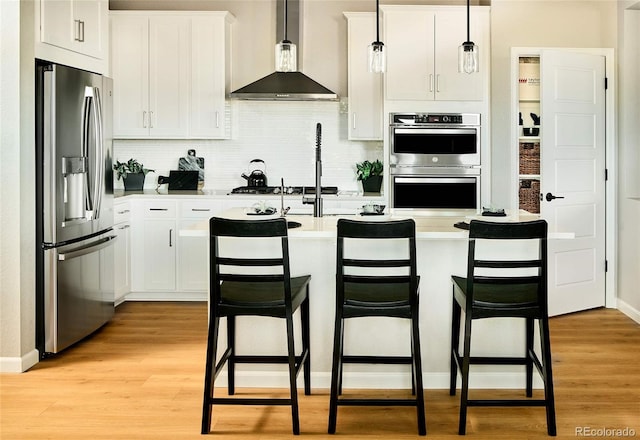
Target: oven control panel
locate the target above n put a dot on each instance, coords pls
(435, 118)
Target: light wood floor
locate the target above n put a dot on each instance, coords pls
(140, 377)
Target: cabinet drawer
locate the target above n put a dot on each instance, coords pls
(197, 209)
(121, 213)
(160, 209)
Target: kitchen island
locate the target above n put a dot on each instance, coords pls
(441, 252)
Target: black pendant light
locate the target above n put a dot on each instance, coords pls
(468, 53)
(376, 49)
(286, 55)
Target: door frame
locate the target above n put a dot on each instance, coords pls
(611, 157)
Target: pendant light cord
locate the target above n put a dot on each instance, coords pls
(377, 21)
(285, 20)
(468, 32)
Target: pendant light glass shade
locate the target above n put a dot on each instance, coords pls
(286, 57)
(468, 53)
(377, 60)
(468, 60)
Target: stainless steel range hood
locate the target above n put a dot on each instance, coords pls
(286, 86)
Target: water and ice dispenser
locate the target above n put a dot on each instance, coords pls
(74, 172)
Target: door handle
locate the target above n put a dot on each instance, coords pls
(550, 197)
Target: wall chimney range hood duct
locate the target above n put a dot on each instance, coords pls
(286, 86)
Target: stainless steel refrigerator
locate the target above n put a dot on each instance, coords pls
(74, 205)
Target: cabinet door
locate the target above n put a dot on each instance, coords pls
(169, 60)
(159, 254)
(130, 71)
(365, 88)
(208, 68)
(56, 23)
(450, 33)
(90, 17)
(192, 267)
(409, 38)
(122, 266)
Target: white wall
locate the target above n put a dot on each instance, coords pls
(629, 161)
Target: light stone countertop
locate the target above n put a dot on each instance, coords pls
(427, 226)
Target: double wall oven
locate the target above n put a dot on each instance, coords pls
(435, 161)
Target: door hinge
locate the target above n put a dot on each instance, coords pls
(606, 83)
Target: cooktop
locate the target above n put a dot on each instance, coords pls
(287, 190)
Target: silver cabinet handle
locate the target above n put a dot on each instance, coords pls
(170, 237)
(144, 119)
(431, 82)
(81, 31)
(124, 211)
(438, 83)
(158, 209)
(353, 121)
(217, 119)
(200, 209)
(76, 30)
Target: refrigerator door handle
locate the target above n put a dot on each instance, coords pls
(99, 245)
(86, 115)
(99, 153)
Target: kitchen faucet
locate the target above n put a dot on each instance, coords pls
(317, 200)
(283, 210)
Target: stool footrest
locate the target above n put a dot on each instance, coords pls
(507, 402)
(377, 402)
(248, 401)
(377, 359)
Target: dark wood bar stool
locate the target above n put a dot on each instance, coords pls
(376, 293)
(503, 288)
(254, 286)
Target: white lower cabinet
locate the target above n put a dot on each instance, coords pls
(122, 263)
(165, 265)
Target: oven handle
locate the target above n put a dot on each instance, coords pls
(435, 179)
(433, 130)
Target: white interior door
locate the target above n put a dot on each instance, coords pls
(573, 170)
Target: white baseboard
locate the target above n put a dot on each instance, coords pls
(19, 364)
(628, 310)
(165, 296)
(362, 380)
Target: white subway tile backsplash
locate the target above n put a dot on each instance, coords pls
(283, 134)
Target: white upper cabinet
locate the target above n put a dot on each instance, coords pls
(170, 74)
(422, 57)
(365, 88)
(76, 25)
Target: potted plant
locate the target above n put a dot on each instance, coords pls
(370, 173)
(132, 173)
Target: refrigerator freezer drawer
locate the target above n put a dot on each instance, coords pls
(78, 290)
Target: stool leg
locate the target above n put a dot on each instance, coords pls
(336, 371)
(455, 346)
(304, 313)
(464, 393)
(231, 365)
(417, 373)
(548, 376)
(292, 374)
(210, 374)
(528, 354)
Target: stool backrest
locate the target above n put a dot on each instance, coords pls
(522, 265)
(378, 260)
(246, 261)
